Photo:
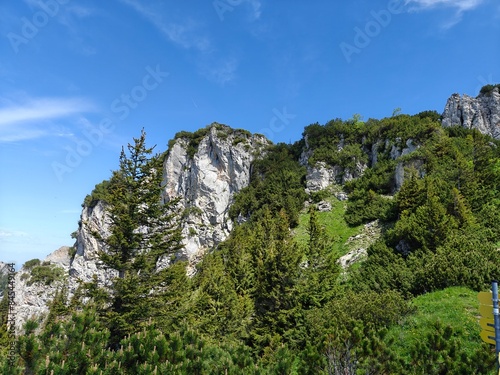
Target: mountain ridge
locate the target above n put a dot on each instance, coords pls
(205, 169)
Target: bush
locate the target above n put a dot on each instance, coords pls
(45, 273)
(31, 263)
(364, 207)
(488, 89)
(193, 138)
(319, 196)
(277, 183)
(98, 194)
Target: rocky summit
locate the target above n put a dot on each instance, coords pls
(481, 113)
(203, 171)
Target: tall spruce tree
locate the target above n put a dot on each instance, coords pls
(320, 272)
(143, 230)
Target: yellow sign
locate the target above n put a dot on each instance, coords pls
(485, 298)
(486, 311)
(488, 337)
(487, 324)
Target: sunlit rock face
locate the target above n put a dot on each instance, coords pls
(206, 181)
(481, 113)
(204, 178)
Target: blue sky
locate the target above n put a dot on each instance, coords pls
(79, 79)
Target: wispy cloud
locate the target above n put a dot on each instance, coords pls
(186, 35)
(21, 121)
(256, 8)
(42, 109)
(8, 233)
(221, 72)
(459, 6)
(190, 36)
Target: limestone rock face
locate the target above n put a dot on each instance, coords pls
(359, 244)
(4, 274)
(86, 262)
(206, 182)
(31, 299)
(320, 176)
(481, 113)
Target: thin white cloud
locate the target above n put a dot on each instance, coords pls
(23, 121)
(221, 72)
(459, 5)
(21, 135)
(256, 8)
(7, 233)
(186, 35)
(42, 109)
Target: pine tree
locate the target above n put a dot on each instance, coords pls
(277, 258)
(4, 336)
(143, 231)
(321, 270)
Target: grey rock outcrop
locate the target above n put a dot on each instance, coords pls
(31, 299)
(320, 175)
(86, 262)
(359, 244)
(4, 274)
(324, 206)
(206, 183)
(397, 152)
(481, 113)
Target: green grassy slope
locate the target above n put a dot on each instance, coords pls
(456, 307)
(335, 226)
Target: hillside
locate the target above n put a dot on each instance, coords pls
(357, 249)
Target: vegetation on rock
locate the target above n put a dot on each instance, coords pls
(271, 299)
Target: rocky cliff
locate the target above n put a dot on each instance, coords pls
(206, 181)
(481, 113)
(36, 283)
(320, 175)
(203, 169)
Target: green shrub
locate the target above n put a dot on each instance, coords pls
(72, 251)
(488, 89)
(191, 210)
(193, 138)
(238, 140)
(368, 206)
(277, 183)
(98, 194)
(31, 263)
(319, 196)
(45, 273)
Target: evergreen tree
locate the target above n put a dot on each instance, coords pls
(276, 261)
(4, 335)
(320, 271)
(143, 231)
